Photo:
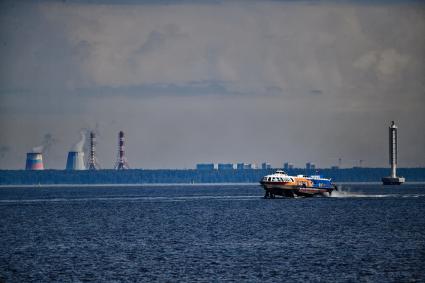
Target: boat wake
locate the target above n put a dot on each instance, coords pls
(348, 194)
(342, 194)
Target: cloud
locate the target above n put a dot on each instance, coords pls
(367, 60)
(156, 38)
(251, 46)
(391, 62)
(316, 92)
(237, 47)
(384, 64)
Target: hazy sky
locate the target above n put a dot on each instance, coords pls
(213, 81)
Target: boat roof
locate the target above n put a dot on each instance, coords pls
(278, 173)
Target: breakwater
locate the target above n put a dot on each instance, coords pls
(142, 176)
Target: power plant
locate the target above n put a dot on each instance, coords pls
(121, 159)
(92, 161)
(75, 161)
(393, 179)
(34, 161)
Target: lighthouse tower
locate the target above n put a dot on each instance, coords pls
(393, 179)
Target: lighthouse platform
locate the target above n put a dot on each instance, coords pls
(393, 180)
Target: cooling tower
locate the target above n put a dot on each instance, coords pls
(34, 161)
(75, 161)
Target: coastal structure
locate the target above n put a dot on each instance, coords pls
(393, 179)
(34, 161)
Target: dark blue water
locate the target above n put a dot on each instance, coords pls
(367, 233)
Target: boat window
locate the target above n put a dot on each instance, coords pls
(270, 178)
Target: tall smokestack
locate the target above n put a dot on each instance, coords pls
(34, 161)
(121, 159)
(393, 179)
(92, 162)
(75, 161)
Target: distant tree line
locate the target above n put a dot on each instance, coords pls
(140, 176)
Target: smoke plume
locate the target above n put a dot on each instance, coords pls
(47, 142)
(86, 131)
(78, 147)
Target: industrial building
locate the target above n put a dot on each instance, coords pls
(225, 166)
(288, 166)
(205, 166)
(266, 165)
(310, 166)
(244, 166)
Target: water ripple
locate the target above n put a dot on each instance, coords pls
(213, 233)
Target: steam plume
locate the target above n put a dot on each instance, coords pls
(47, 142)
(86, 132)
(78, 147)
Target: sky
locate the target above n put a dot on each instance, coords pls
(213, 81)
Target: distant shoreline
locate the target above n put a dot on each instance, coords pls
(171, 185)
(185, 177)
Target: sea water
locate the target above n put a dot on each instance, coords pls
(363, 233)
